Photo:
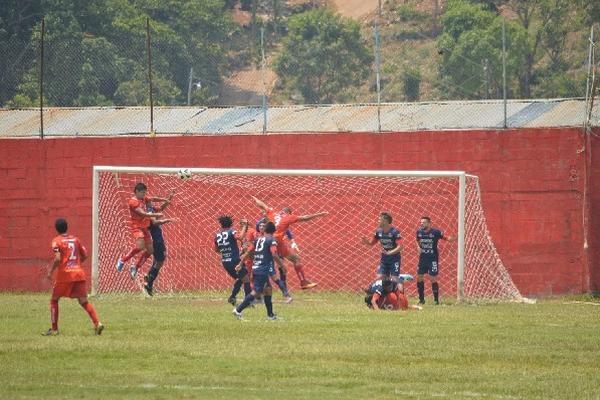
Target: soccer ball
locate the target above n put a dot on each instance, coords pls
(184, 174)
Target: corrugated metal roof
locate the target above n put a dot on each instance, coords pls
(395, 117)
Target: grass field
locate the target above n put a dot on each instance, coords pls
(325, 347)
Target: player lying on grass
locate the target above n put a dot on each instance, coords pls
(226, 244)
(70, 278)
(386, 294)
(283, 220)
(264, 251)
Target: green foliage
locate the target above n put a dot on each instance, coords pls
(471, 44)
(412, 83)
(95, 52)
(408, 12)
(322, 56)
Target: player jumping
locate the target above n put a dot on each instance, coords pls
(282, 221)
(140, 222)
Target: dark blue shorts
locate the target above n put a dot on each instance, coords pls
(230, 268)
(389, 268)
(160, 251)
(261, 282)
(427, 266)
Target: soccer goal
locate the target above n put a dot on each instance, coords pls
(330, 247)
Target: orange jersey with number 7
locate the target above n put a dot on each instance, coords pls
(70, 249)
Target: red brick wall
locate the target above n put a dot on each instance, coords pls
(531, 180)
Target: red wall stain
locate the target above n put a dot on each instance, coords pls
(532, 183)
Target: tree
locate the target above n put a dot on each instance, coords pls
(471, 44)
(322, 56)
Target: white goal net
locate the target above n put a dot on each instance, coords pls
(330, 247)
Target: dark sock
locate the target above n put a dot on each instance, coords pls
(236, 288)
(283, 287)
(269, 305)
(436, 291)
(152, 274)
(247, 288)
(421, 289)
(247, 300)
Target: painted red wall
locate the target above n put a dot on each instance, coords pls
(531, 180)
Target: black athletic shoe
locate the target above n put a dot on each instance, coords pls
(148, 289)
(231, 301)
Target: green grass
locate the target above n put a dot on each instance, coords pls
(326, 347)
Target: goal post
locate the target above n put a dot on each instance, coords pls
(330, 247)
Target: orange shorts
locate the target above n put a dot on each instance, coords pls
(395, 301)
(283, 248)
(69, 289)
(142, 233)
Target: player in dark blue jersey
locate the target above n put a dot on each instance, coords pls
(391, 247)
(386, 294)
(264, 251)
(226, 244)
(427, 241)
(158, 242)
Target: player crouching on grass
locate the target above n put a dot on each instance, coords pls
(264, 250)
(70, 277)
(387, 294)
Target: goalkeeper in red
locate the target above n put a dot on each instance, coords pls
(69, 253)
(140, 224)
(283, 220)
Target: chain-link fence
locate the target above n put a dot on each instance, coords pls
(242, 63)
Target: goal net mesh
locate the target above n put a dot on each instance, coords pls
(330, 247)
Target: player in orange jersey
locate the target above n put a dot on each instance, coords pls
(140, 223)
(283, 220)
(70, 277)
(387, 294)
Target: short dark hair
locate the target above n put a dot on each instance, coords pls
(270, 227)
(139, 187)
(61, 225)
(389, 286)
(287, 210)
(226, 221)
(427, 218)
(387, 216)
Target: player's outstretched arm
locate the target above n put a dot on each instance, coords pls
(143, 213)
(162, 221)
(374, 300)
(450, 238)
(261, 204)
(241, 235)
(312, 216)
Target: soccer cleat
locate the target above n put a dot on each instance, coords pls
(436, 302)
(236, 314)
(421, 301)
(50, 332)
(307, 285)
(148, 289)
(272, 317)
(98, 329)
(120, 265)
(231, 301)
(288, 299)
(133, 272)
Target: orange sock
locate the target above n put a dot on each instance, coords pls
(91, 312)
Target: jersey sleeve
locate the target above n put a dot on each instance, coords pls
(133, 203)
(289, 235)
(376, 236)
(397, 234)
(440, 235)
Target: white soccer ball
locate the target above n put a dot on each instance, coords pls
(184, 174)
